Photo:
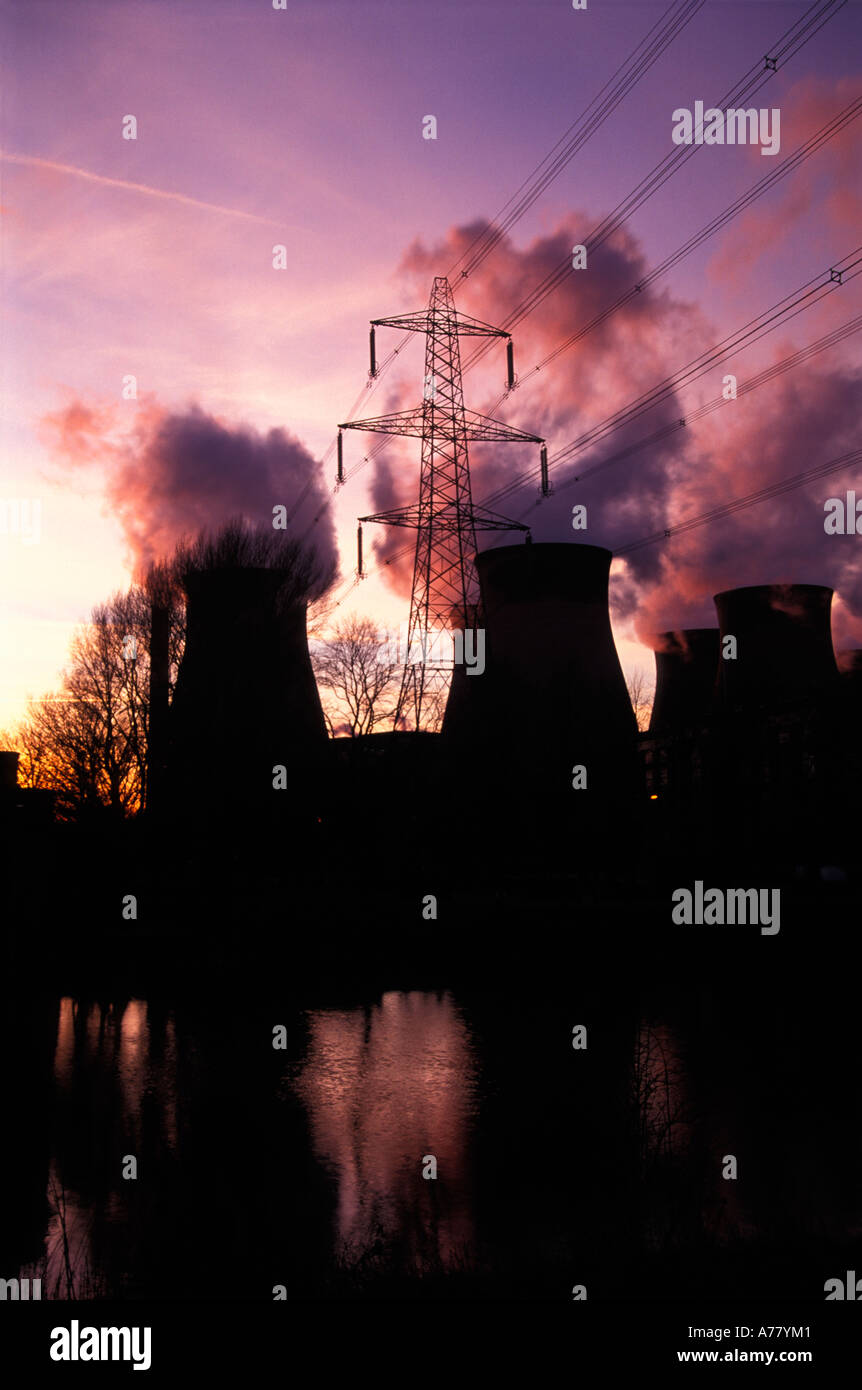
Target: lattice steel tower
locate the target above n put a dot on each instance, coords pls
(445, 591)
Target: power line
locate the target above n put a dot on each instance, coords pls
(633, 68)
(750, 499)
(761, 378)
(777, 314)
(787, 46)
(586, 125)
(721, 220)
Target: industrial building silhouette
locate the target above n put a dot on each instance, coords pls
(752, 750)
(750, 758)
(751, 762)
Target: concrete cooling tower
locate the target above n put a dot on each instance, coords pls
(246, 699)
(551, 706)
(686, 665)
(784, 646)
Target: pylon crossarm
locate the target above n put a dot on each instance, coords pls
(412, 323)
(421, 322)
(447, 519)
(409, 423)
(403, 422)
(484, 427)
(474, 328)
(491, 521)
(399, 516)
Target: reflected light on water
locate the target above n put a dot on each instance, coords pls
(105, 1056)
(384, 1087)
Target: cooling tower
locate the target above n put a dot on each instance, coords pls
(9, 771)
(782, 784)
(553, 674)
(686, 663)
(463, 689)
(160, 637)
(850, 685)
(784, 656)
(850, 667)
(552, 697)
(245, 683)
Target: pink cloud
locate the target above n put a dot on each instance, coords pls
(831, 179)
(802, 418)
(172, 473)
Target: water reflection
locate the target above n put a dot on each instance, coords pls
(115, 1046)
(115, 1079)
(384, 1087)
(682, 1144)
(377, 1089)
(304, 1167)
(661, 1092)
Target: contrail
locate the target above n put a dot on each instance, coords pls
(35, 162)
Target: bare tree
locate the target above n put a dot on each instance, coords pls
(355, 669)
(641, 693)
(68, 733)
(88, 741)
(658, 1091)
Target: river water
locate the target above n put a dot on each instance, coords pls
(417, 1141)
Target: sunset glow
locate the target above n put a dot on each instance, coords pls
(153, 257)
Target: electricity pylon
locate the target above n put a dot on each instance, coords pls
(445, 590)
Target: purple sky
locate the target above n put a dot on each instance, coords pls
(303, 127)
